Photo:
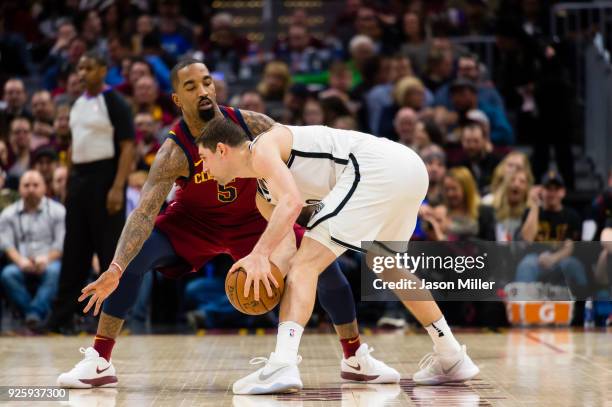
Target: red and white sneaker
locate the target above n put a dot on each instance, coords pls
(437, 369)
(92, 371)
(363, 367)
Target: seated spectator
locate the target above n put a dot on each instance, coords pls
(369, 23)
(4, 155)
(313, 112)
(224, 48)
(45, 161)
(426, 133)
(467, 218)
(147, 99)
(137, 68)
(300, 52)
(469, 68)
(345, 123)
(65, 62)
(476, 156)
(509, 203)
(33, 247)
(361, 48)
(61, 128)
(14, 99)
(119, 47)
(252, 100)
(74, 89)
(7, 195)
(464, 98)
(60, 179)
(333, 107)
(381, 95)
(158, 59)
(147, 144)
(548, 220)
(404, 124)
(435, 162)
(43, 108)
(408, 92)
(42, 134)
(601, 209)
(414, 44)
(19, 150)
(512, 162)
(176, 34)
(273, 87)
(340, 81)
(295, 101)
(439, 68)
(220, 88)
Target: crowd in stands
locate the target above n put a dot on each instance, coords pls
(390, 69)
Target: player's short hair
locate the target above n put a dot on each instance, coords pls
(97, 57)
(221, 130)
(180, 65)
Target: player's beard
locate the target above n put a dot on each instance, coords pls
(207, 114)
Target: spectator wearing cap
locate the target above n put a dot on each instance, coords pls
(45, 160)
(476, 155)
(102, 154)
(548, 220)
(469, 68)
(32, 238)
(14, 99)
(464, 97)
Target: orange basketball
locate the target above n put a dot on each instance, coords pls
(234, 289)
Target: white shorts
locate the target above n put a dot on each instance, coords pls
(377, 198)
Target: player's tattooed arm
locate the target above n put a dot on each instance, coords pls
(257, 122)
(170, 163)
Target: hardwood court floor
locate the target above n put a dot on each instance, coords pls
(518, 368)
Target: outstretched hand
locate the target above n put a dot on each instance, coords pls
(100, 289)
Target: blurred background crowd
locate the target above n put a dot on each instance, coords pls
(490, 93)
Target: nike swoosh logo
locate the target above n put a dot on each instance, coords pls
(356, 368)
(198, 163)
(263, 377)
(447, 371)
(98, 371)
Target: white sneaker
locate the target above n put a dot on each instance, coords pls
(277, 376)
(438, 369)
(363, 367)
(92, 371)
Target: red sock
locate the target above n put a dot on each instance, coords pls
(350, 346)
(104, 346)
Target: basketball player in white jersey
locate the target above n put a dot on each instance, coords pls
(365, 189)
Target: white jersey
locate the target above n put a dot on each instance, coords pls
(365, 188)
(319, 155)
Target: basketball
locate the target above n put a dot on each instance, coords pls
(234, 289)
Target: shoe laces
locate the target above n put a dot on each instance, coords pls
(88, 354)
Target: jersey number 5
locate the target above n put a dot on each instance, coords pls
(226, 193)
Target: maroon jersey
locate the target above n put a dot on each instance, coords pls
(206, 219)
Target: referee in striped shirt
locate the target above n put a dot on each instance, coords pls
(102, 156)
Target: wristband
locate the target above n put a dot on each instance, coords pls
(114, 263)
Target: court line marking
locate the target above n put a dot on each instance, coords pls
(543, 342)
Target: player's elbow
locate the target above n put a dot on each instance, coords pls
(293, 204)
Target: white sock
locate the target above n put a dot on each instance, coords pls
(442, 337)
(288, 341)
